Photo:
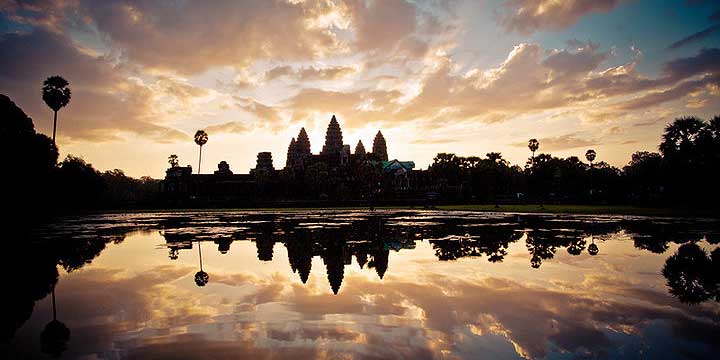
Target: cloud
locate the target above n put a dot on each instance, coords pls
(705, 62)
(696, 37)
(435, 141)
(309, 73)
(193, 36)
(531, 79)
(106, 102)
(584, 59)
(381, 25)
(230, 127)
(264, 113)
(528, 16)
(677, 92)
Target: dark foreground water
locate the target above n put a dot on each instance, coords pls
(357, 285)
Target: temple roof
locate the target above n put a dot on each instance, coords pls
(397, 164)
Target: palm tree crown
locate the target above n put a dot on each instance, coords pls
(533, 145)
(56, 92)
(590, 155)
(201, 137)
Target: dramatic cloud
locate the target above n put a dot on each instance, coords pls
(531, 79)
(527, 16)
(105, 103)
(381, 24)
(159, 70)
(195, 35)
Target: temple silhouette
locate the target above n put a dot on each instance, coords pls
(335, 174)
(373, 240)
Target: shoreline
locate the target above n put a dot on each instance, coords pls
(534, 208)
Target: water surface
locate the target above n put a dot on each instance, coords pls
(364, 285)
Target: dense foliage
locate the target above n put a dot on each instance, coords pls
(38, 185)
(683, 173)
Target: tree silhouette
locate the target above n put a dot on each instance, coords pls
(533, 145)
(201, 138)
(32, 160)
(687, 162)
(173, 160)
(691, 274)
(681, 136)
(56, 94)
(590, 156)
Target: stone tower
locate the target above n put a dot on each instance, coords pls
(291, 154)
(264, 162)
(379, 147)
(302, 145)
(333, 138)
(360, 149)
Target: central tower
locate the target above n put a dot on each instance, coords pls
(333, 138)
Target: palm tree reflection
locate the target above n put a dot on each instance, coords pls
(55, 335)
(592, 248)
(201, 277)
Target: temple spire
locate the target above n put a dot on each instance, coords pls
(360, 149)
(380, 147)
(303, 144)
(333, 138)
(291, 152)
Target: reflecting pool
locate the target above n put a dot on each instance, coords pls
(362, 285)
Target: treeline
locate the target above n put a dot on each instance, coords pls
(683, 173)
(35, 184)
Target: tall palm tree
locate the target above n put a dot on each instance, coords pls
(201, 138)
(56, 94)
(590, 156)
(533, 145)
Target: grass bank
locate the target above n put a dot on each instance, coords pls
(550, 209)
(583, 209)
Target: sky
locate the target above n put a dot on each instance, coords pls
(461, 76)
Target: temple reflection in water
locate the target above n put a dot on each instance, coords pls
(344, 243)
(371, 238)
